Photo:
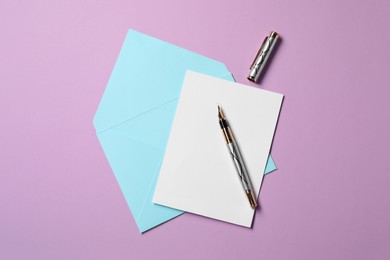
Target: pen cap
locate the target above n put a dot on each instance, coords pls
(262, 56)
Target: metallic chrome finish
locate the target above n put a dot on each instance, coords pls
(262, 56)
(258, 53)
(237, 159)
(240, 166)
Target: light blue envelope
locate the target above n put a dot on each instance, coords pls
(135, 115)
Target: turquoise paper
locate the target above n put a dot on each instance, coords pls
(135, 115)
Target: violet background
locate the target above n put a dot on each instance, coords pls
(330, 197)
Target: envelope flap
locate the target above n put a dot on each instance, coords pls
(134, 163)
(147, 66)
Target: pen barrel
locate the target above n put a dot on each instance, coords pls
(237, 159)
(240, 166)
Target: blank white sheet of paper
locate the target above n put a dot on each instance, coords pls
(197, 174)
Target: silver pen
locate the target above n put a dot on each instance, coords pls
(237, 159)
(262, 56)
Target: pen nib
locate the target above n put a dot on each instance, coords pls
(220, 113)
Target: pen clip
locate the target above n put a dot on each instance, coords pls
(258, 52)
